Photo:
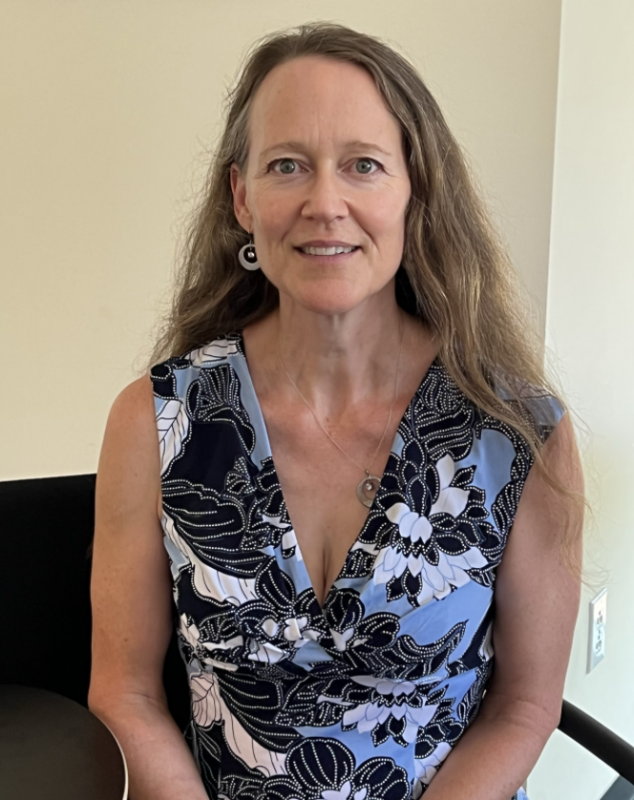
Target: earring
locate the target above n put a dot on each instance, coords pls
(248, 257)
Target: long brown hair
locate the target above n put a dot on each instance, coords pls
(455, 274)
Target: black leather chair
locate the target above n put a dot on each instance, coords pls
(46, 531)
(45, 540)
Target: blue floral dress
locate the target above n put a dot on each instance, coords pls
(363, 698)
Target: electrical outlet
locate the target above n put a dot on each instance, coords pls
(596, 634)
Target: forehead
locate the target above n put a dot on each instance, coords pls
(315, 100)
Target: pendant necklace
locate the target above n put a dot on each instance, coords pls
(369, 485)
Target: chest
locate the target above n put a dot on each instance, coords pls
(319, 483)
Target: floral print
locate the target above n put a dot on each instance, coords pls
(324, 769)
(365, 697)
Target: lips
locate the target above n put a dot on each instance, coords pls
(327, 253)
(326, 243)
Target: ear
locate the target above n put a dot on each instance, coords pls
(239, 189)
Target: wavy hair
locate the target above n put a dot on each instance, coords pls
(455, 274)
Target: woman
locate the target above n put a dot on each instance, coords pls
(351, 418)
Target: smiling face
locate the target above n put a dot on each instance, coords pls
(325, 165)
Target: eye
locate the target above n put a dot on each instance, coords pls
(365, 165)
(287, 166)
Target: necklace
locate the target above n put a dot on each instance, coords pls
(369, 485)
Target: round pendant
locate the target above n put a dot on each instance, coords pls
(367, 489)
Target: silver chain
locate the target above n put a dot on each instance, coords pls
(389, 418)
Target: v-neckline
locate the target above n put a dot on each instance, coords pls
(435, 364)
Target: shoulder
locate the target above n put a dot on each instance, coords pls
(561, 454)
(176, 382)
(133, 407)
(169, 378)
(544, 409)
(549, 519)
(131, 426)
(128, 471)
(217, 350)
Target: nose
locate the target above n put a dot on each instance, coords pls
(325, 201)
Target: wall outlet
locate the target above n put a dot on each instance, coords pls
(596, 633)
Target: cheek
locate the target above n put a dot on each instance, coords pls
(274, 224)
(273, 215)
(387, 225)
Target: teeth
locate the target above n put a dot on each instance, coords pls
(326, 251)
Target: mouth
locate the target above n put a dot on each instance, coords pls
(331, 255)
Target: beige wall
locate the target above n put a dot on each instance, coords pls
(106, 113)
(590, 327)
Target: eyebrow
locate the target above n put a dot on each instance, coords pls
(349, 146)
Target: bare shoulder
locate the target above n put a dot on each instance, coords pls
(547, 521)
(132, 411)
(561, 453)
(543, 509)
(129, 466)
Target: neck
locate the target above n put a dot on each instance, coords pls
(336, 362)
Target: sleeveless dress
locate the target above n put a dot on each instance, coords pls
(363, 698)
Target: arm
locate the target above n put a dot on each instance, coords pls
(131, 602)
(537, 601)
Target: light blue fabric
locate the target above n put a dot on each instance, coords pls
(364, 698)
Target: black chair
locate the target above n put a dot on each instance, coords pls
(45, 541)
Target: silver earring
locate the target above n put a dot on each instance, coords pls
(248, 257)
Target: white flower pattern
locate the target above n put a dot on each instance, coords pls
(209, 708)
(426, 768)
(367, 716)
(213, 353)
(437, 580)
(344, 793)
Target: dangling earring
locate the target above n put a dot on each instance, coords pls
(247, 256)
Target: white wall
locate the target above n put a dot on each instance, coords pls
(106, 112)
(590, 326)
